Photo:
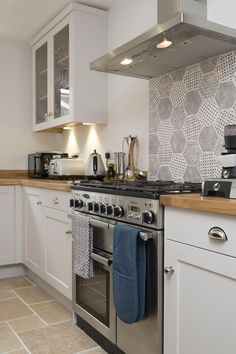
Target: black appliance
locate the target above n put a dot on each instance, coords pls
(137, 204)
(38, 163)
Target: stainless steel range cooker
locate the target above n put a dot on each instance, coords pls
(136, 204)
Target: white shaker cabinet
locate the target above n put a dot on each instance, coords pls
(199, 283)
(58, 251)
(7, 228)
(33, 230)
(65, 90)
(47, 240)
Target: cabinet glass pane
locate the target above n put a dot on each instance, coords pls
(41, 83)
(61, 73)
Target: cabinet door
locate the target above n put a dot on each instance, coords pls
(40, 84)
(199, 301)
(61, 82)
(33, 229)
(58, 251)
(6, 225)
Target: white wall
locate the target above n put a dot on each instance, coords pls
(127, 97)
(16, 137)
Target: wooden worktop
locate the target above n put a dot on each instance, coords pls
(19, 177)
(195, 201)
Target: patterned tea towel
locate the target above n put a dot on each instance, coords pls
(82, 233)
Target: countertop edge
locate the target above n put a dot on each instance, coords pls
(195, 201)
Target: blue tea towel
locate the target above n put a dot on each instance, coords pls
(129, 273)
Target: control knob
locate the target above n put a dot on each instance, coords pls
(118, 211)
(110, 209)
(102, 208)
(78, 203)
(90, 206)
(95, 207)
(148, 217)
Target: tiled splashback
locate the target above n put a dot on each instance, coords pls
(188, 110)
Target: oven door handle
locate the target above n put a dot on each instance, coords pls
(101, 224)
(105, 261)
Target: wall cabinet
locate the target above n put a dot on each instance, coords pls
(47, 241)
(200, 288)
(65, 91)
(7, 222)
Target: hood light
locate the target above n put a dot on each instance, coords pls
(67, 128)
(126, 61)
(164, 44)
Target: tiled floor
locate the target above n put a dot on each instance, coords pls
(31, 321)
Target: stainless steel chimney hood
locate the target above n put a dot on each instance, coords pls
(193, 38)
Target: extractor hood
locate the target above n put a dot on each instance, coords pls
(185, 24)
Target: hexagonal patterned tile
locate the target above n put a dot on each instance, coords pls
(192, 127)
(208, 65)
(153, 143)
(153, 167)
(164, 154)
(208, 166)
(154, 100)
(177, 94)
(226, 117)
(164, 131)
(225, 66)
(178, 75)
(177, 167)
(192, 102)
(165, 85)
(208, 112)
(208, 85)
(154, 122)
(164, 108)
(177, 117)
(208, 138)
(192, 152)
(226, 95)
(164, 173)
(192, 174)
(193, 77)
(177, 141)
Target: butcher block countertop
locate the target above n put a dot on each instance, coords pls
(18, 177)
(195, 201)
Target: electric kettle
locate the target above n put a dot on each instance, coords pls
(94, 167)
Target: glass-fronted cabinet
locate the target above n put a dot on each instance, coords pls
(61, 73)
(41, 67)
(65, 90)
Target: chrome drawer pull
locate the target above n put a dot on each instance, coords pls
(216, 233)
(55, 200)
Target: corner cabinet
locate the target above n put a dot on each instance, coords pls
(65, 91)
(200, 283)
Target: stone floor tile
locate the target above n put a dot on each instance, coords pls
(6, 294)
(63, 338)
(14, 283)
(52, 312)
(12, 309)
(8, 340)
(33, 295)
(27, 323)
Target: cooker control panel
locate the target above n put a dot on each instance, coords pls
(134, 210)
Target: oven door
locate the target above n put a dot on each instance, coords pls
(93, 298)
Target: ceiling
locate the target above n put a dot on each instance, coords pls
(22, 19)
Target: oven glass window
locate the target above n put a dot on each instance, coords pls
(93, 294)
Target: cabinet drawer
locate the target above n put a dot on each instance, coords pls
(56, 199)
(192, 227)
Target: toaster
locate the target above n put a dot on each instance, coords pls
(68, 167)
